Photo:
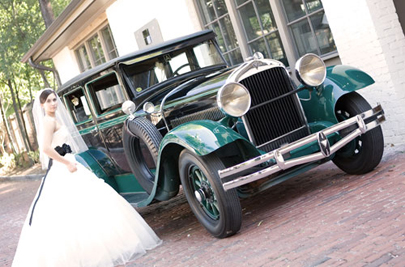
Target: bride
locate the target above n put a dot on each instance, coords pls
(75, 219)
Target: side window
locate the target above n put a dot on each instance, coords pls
(106, 93)
(78, 106)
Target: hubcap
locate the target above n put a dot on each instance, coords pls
(200, 195)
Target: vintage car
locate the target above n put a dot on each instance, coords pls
(176, 115)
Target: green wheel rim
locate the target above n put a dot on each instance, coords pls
(200, 183)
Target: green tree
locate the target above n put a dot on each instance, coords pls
(13, 35)
(21, 24)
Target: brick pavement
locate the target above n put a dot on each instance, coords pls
(322, 218)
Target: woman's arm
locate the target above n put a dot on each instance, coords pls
(49, 129)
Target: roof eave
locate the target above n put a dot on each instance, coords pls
(51, 30)
(73, 18)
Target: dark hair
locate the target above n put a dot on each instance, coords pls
(44, 95)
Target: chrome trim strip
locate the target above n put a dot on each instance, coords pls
(162, 104)
(249, 131)
(319, 137)
(252, 67)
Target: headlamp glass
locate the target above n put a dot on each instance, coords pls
(311, 70)
(234, 99)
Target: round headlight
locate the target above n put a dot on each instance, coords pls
(233, 99)
(128, 107)
(148, 107)
(311, 70)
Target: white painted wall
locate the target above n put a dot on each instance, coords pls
(176, 18)
(368, 36)
(65, 63)
(127, 16)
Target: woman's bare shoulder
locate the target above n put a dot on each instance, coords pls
(49, 122)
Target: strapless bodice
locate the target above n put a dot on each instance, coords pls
(60, 137)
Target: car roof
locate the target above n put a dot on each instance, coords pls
(201, 35)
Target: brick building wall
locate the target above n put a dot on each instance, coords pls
(369, 36)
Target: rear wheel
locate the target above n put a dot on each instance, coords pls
(364, 153)
(219, 211)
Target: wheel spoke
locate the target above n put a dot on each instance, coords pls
(195, 177)
(209, 207)
(215, 209)
(197, 183)
(199, 175)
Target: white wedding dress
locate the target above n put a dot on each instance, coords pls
(79, 220)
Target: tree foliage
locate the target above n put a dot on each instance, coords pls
(21, 25)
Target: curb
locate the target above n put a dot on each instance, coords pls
(22, 177)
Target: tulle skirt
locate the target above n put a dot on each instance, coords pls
(81, 221)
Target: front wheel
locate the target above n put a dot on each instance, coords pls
(364, 153)
(219, 211)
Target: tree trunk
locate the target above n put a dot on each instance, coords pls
(17, 115)
(3, 116)
(23, 121)
(28, 77)
(2, 149)
(47, 12)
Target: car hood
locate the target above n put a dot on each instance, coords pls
(211, 82)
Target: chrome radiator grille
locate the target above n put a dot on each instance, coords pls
(273, 120)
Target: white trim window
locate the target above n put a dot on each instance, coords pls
(309, 27)
(97, 49)
(215, 16)
(280, 29)
(260, 28)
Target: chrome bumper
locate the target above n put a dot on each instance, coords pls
(320, 137)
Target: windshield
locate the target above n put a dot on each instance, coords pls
(144, 74)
